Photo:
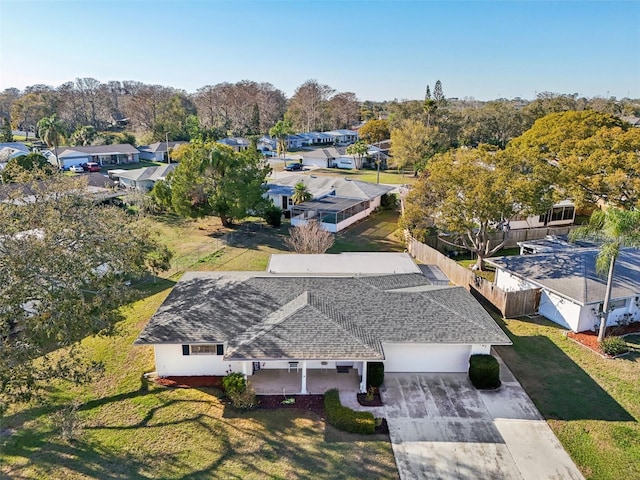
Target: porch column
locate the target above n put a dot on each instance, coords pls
(363, 383)
(244, 369)
(303, 387)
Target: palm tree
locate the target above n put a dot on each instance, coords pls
(616, 228)
(300, 193)
(281, 130)
(51, 131)
(358, 150)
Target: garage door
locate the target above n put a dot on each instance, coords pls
(404, 357)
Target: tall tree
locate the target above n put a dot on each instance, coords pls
(300, 193)
(281, 131)
(358, 151)
(438, 94)
(307, 106)
(212, 179)
(343, 110)
(413, 144)
(64, 265)
(430, 105)
(615, 228)
(374, 131)
(83, 135)
(51, 131)
(6, 135)
(465, 191)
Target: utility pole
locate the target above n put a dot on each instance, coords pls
(166, 136)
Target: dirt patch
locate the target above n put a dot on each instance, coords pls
(590, 339)
(311, 403)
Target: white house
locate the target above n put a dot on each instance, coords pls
(561, 214)
(328, 157)
(12, 150)
(238, 144)
(142, 178)
(343, 137)
(571, 292)
(158, 152)
(337, 202)
(270, 326)
(102, 154)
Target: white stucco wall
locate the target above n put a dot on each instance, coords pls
(510, 283)
(171, 362)
(422, 357)
(559, 310)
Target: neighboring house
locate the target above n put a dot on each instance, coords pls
(238, 144)
(337, 202)
(103, 155)
(273, 326)
(343, 137)
(552, 244)
(328, 157)
(9, 151)
(295, 142)
(571, 292)
(157, 152)
(632, 120)
(142, 178)
(316, 138)
(561, 214)
(267, 144)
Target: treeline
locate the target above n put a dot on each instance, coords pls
(250, 108)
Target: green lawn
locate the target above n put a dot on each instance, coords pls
(391, 177)
(129, 431)
(591, 403)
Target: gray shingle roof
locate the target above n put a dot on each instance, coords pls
(262, 316)
(319, 186)
(572, 274)
(97, 150)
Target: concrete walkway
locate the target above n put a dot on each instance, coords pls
(441, 427)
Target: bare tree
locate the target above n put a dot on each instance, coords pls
(310, 238)
(308, 105)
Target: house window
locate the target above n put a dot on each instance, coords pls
(615, 304)
(214, 349)
(567, 214)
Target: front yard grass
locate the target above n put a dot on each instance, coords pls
(133, 429)
(592, 404)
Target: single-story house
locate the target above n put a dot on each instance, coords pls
(142, 178)
(551, 244)
(560, 214)
(337, 202)
(158, 152)
(237, 143)
(344, 137)
(273, 326)
(328, 157)
(571, 292)
(295, 141)
(11, 150)
(316, 138)
(104, 155)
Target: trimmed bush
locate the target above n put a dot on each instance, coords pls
(346, 419)
(234, 383)
(614, 346)
(375, 374)
(388, 201)
(273, 216)
(484, 372)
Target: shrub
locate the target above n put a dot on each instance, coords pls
(484, 372)
(613, 346)
(388, 201)
(234, 383)
(245, 400)
(273, 216)
(375, 374)
(346, 419)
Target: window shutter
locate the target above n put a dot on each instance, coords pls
(219, 349)
(185, 349)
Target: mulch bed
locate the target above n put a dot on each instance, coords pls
(590, 339)
(375, 402)
(311, 403)
(190, 382)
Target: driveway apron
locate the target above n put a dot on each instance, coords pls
(441, 427)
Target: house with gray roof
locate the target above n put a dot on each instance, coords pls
(337, 201)
(238, 144)
(328, 157)
(269, 326)
(159, 151)
(142, 178)
(571, 291)
(104, 155)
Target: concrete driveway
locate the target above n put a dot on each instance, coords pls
(443, 428)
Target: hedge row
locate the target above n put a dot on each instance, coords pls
(343, 418)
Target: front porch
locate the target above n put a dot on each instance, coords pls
(282, 381)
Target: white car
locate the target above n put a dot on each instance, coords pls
(76, 169)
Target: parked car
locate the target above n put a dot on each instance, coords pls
(92, 167)
(293, 167)
(76, 169)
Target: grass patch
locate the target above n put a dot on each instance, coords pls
(390, 177)
(591, 403)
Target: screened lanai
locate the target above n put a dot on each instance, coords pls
(335, 213)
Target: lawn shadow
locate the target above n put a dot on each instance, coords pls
(558, 386)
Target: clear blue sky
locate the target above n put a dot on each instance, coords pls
(379, 50)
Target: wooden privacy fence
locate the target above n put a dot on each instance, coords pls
(510, 304)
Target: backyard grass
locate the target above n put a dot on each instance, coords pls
(591, 403)
(390, 177)
(133, 429)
